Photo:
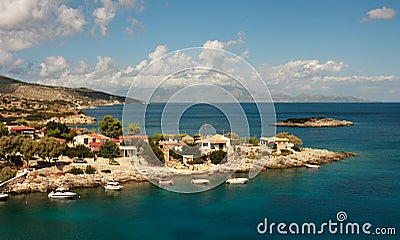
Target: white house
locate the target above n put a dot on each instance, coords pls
(214, 142)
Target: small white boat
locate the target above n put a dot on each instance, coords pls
(312, 166)
(61, 193)
(166, 182)
(113, 186)
(237, 180)
(3, 196)
(200, 181)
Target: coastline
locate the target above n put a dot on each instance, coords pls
(47, 179)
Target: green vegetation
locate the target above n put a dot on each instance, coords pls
(217, 156)
(111, 127)
(58, 130)
(106, 171)
(90, 170)
(294, 139)
(7, 173)
(49, 148)
(197, 161)
(76, 171)
(134, 128)
(285, 152)
(113, 162)
(109, 150)
(254, 141)
(79, 151)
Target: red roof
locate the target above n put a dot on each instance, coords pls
(96, 144)
(22, 128)
(61, 140)
(115, 140)
(94, 135)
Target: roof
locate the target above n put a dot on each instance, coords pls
(275, 139)
(187, 137)
(218, 138)
(96, 135)
(96, 144)
(22, 128)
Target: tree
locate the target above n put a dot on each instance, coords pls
(56, 129)
(134, 128)
(217, 156)
(294, 139)
(109, 150)
(254, 141)
(232, 135)
(3, 130)
(49, 148)
(79, 151)
(111, 127)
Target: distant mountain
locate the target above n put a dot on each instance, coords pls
(280, 97)
(80, 96)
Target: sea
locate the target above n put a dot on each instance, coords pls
(362, 191)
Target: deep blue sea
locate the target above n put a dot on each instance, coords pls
(366, 188)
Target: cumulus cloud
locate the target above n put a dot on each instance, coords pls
(103, 17)
(384, 13)
(134, 26)
(53, 66)
(26, 23)
(160, 50)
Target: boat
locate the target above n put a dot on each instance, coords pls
(3, 196)
(166, 182)
(113, 186)
(312, 166)
(200, 181)
(237, 180)
(61, 193)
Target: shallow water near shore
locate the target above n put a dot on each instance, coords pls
(365, 187)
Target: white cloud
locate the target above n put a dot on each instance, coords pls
(384, 13)
(53, 66)
(360, 78)
(26, 23)
(103, 17)
(71, 21)
(160, 51)
(134, 27)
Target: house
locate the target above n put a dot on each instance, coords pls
(22, 130)
(276, 142)
(188, 139)
(214, 142)
(128, 151)
(141, 137)
(87, 139)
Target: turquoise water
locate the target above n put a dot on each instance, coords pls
(365, 187)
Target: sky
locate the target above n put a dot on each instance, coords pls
(341, 48)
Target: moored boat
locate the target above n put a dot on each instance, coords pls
(312, 166)
(237, 180)
(166, 182)
(61, 193)
(3, 196)
(113, 186)
(200, 181)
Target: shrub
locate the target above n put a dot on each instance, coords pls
(217, 156)
(79, 151)
(7, 173)
(296, 148)
(42, 174)
(285, 152)
(197, 161)
(106, 171)
(113, 162)
(90, 170)
(76, 171)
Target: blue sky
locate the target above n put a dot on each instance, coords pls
(345, 48)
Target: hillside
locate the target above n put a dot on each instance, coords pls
(81, 97)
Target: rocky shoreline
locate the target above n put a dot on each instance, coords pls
(47, 179)
(314, 122)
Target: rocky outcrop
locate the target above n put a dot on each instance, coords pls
(297, 159)
(51, 178)
(314, 122)
(80, 119)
